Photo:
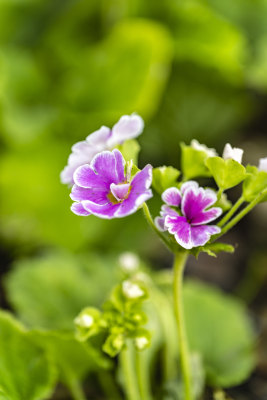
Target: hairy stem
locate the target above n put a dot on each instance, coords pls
(130, 380)
(231, 212)
(155, 229)
(178, 266)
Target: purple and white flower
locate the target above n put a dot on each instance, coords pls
(188, 222)
(128, 127)
(234, 153)
(106, 190)
(262, 164)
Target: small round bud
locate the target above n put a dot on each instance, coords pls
(233, 153)
(141, 342)
(132, 290)
(129, 262)
(84, 321)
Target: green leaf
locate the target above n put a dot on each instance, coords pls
(73, 283)
(254, 184)
(73, 358)
(227, 173)
(164, 177)
(193, 162)
(219, 329)
(214, 248)
(26, 372)
(130, 150)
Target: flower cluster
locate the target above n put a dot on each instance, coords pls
(107, 186)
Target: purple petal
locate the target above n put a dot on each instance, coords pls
(104, 165)
(120, 165)
(132, 203)
(120, 191)
(98, 196)
(181, 229)
(187, 185)
(194, 204)
(78, 209)
(105, 211)
(99, 138)
(76, 159)
(86, 177)
(139, 192)
(128, 127)
(172, 196)
(201, 234)
(160, 223)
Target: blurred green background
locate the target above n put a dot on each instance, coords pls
(191, 69)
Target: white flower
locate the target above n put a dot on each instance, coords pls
(85, 321)
(129, 262)
(233, 153)
(262, 164)
(202, 147)
(141, 342)
(132, 290)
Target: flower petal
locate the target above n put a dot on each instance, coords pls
(234, 153)
(172, 197)
(132, 203)
(99, 138)
(201, 234)
(78, 209)
(120, 165)
(86, 177)
(98, 196)
(128, 127)
(104, 164)
(105, 211)
(189, 184)
(120, 191)
(194, 204)
(262, 164)
(160, 221)
(139, 192)
(181, 229)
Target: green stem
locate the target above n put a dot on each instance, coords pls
(129, 374)
(235, 207)
(155, 229)
(219, 194)
(143, 377)
(76, 389)
(179, 264)
(242, 213)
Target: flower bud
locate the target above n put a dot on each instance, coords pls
(233, 153)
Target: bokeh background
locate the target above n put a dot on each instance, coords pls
(191, 69)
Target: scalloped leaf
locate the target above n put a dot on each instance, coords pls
(164, 177)
(226, 173)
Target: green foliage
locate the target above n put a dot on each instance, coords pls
(227, 173)
(72, 282)
(130, 150)
(254, 184)
(122, 319)
(213, 249)
(73, 359)
(26, 371)
(164, 177)
(218, 328)
(193, 162)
